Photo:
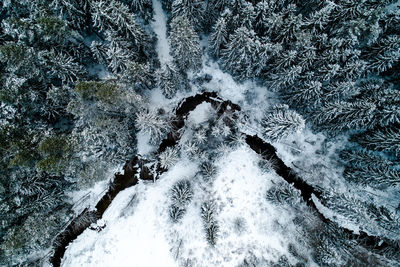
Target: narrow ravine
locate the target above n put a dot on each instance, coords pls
(87, 217)
(133, 172)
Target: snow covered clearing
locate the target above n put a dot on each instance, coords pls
(139, 231)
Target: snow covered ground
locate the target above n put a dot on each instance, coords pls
(159, 25)
(139, 231)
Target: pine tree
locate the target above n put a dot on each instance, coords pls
(262, 13)
(119, 53)
(99, 51)
(383, 54)
(115, 17)
(309, 92)
(339, 116)
(240, 53)
(284, 78)
(378, 221)
(63, 67)
(387, 140)
(185, 44)
(143, 7)
(247, 15)
(219, 36)
(192, 10)
(76, 12)
(168, 79)
(139, 76)
(153, 124)
(208, 212)
(168, 158)
(280, 122)
(181, 195)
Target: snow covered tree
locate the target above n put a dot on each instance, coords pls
(185, 44)
(99, 51)
(169, 80)
(387, 140)
(378, 221)
(181, 195)
(119, 53)
(193, 10)
(115, 17)
(383, 54)
(240, 54)
(169, 157)
(138, 75)
(155, 125)
(284, 25)
(284, 78)
(62, 67)
(142, 7)
(280, 122)
(208, 212)
(76, 12)
(283, 194)
(342, 115)
(262, 12)
(310, 92)
(219, 36)
(247, 15)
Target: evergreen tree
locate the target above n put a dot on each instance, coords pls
(153, 124)
(211, 227)
(168, 79)
(76, 12)
(139, 76)
(240, 54)
(115, 17)
(219, 36)
(247, 15)
(378, 221)
(181, 195)
(192, 10)
(185, 44)
(387, 140)
(142, 7)
(281, 122)
(338, 116)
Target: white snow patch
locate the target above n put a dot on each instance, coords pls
(159, 25)
(139, 231)
(201, 113)
(224, 83)
(238, 192)
(143, 146)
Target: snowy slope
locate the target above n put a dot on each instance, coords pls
(139, 231)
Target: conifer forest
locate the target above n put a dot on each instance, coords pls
(200, 133)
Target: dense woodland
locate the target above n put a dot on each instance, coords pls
(74, 77)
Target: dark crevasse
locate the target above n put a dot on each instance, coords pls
(87, 217)
(136, 169)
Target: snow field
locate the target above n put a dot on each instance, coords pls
(140, 232)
